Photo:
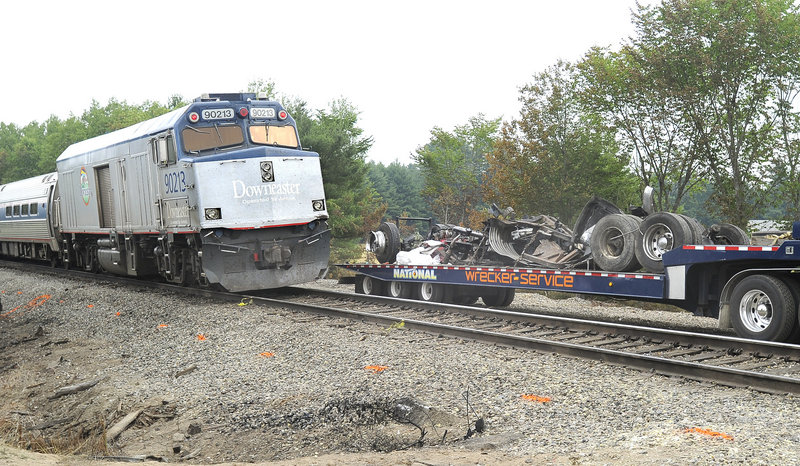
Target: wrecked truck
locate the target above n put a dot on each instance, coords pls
(643, 255)
(603, 238)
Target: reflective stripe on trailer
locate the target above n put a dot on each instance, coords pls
(501, 269)
(731, 248)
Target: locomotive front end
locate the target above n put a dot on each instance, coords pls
(260, 201)
(264, 221)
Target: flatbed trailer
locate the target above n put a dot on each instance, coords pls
(753, 289)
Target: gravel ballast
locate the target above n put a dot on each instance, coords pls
(265, 384)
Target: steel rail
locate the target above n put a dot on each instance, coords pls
(735, 344)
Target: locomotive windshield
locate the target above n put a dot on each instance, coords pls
(274, 135)
(197, 139)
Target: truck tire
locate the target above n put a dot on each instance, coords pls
(368, 285)
(499, 297)
(430, 292)
(613, 243)
(763, 308)
(461, 295)
(727, 234)
(396, 289)
(698, 230)
(659, 233)
(387, 247)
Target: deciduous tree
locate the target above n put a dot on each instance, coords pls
(453, 165)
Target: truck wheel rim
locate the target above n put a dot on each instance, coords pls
(755, 311)
(368, 286)
(395, 289)
(657, 239)
(426, 291)
(613, 242)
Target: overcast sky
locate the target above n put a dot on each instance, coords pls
(407, 66)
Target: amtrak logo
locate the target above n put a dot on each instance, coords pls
(87, 194)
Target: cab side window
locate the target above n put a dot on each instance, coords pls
(163, 149)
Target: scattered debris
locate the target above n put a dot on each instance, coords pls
(123, 424)
(185, 370)
(68, 390)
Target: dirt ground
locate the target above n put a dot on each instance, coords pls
(43, 408)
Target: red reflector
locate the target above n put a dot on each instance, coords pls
(194, 117)
(243, 112)
(282, 115)
(255, 257)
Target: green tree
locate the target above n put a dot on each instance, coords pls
(400, 187)
(33, 149)
(453, 165)
(266, 87)
(335, 135)
(558, 153)
(626, 89)
(727, 64)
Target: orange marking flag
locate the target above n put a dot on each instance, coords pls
(267, 354)
(536, 398)
(201, 337)
(708, 432)
(376, 369)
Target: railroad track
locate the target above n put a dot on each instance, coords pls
(763, 366)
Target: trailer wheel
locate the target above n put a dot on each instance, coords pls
(430, 292)
(763, 308)
(385, 242)
(395, 289)
(500, 297)
(613, 243)
(727, 234)
(368, 285)
(660, 233)
(460, 295)
(698, 230)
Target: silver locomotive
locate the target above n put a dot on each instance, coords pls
(216, 193)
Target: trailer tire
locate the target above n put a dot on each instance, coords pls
(461, 295)
(396, 289)
(763, 308)
(387, 251)
(368, 285)
(698, 230)
(726, 234)
(499, 297)
(659, 233)
(430, 292)
(613, 243)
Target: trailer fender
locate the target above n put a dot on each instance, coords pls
(725, 296)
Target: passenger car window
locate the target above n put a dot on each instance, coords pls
(16, 210)
(24, 209)
(34, 209)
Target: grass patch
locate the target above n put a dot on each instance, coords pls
(73, 441)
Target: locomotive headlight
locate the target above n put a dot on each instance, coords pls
(267, 175)
(318, 204)
(213, 214)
